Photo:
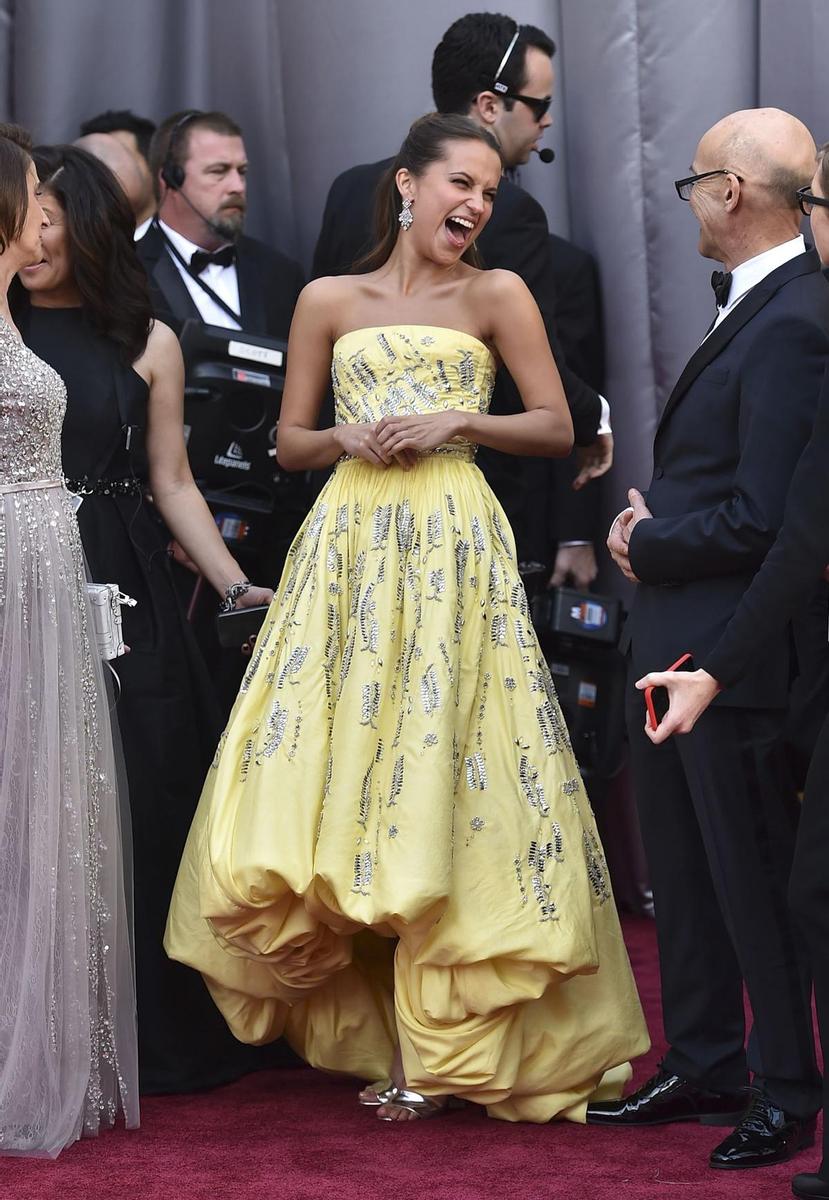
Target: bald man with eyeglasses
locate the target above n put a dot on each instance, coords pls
(717, 807)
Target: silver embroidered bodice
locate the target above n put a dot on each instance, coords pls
(32, 406)
(395, 370)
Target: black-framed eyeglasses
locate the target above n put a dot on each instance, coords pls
(684, 187)
(806, 201)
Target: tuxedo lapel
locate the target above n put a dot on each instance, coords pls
(736, 320)
(169, 282)
(251, 292)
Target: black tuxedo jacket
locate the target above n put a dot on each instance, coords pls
(517, 239)
(725, 450)
(795, 561)
(269, 284)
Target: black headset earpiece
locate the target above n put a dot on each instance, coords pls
(173, 173)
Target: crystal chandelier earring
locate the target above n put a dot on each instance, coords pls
(406, 216)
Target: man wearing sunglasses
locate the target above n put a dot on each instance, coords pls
(500, 74)
(716, 806)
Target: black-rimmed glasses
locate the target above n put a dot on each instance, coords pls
(806, 201)
(684, 187)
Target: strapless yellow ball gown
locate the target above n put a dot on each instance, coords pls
(394, 835)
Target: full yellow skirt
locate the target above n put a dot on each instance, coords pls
(394, 840)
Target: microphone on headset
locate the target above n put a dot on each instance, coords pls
(546, 155)
(208, 221)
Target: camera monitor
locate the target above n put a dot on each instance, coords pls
(233, 388)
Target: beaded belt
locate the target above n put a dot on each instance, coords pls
(34, 485)
(462, 450)
(105, 487)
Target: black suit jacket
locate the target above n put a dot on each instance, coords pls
(269, 284)
(579, 326)
(724, 454)
(517, 239)
(795, 561)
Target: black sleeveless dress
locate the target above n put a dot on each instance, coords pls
(168, 718)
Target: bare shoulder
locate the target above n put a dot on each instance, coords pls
(161, 340)
(161, 353)
(322, 300)
(499, 286)
(328, 291)
(497, 295)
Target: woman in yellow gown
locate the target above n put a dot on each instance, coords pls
(394, 862)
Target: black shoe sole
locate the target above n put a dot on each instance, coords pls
(732, 1119)
(824, 1195)
(765, 1162)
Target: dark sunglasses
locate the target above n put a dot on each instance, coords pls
(806, 201)
(684, 187)
(539, 107)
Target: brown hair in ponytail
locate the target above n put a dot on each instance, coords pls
(424, 144)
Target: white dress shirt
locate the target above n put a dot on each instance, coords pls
(223, 280)
(751, 272)
(141, 229)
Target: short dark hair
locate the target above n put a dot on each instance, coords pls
(15, 160)
(116, 119)
(468, 55)
(424, 144)
(216, 122)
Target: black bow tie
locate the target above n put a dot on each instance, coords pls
(721, 283)
(203, 258)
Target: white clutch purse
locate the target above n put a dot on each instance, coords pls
(105, 602)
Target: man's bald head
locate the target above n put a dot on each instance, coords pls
(769, 148)
(125, 166)
(753, 162)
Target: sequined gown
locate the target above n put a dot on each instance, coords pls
(68, 1054)
(394, 829)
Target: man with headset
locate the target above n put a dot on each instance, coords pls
(198, 262)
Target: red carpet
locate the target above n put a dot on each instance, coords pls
(297, 1135)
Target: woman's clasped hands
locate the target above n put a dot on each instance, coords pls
(398, 440)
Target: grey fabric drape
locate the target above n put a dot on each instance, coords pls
(319, 85)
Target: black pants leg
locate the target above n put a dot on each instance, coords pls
(809, 893)
(716, 809)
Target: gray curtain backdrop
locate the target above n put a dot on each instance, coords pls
(319, 85)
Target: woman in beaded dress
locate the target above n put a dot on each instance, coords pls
(396, 768)
(85, 309)
(68, 1054)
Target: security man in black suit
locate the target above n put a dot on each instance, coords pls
(199, 263)
(716, 807)
(500, 74)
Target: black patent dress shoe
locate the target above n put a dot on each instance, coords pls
(666, 1098)
(765, 1135)
(810, 1187)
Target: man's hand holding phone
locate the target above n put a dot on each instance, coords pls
(686, 695)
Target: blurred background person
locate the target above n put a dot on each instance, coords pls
(135, 133)
(84, 307)
(129, 169)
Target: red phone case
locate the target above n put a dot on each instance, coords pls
(652, 721)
